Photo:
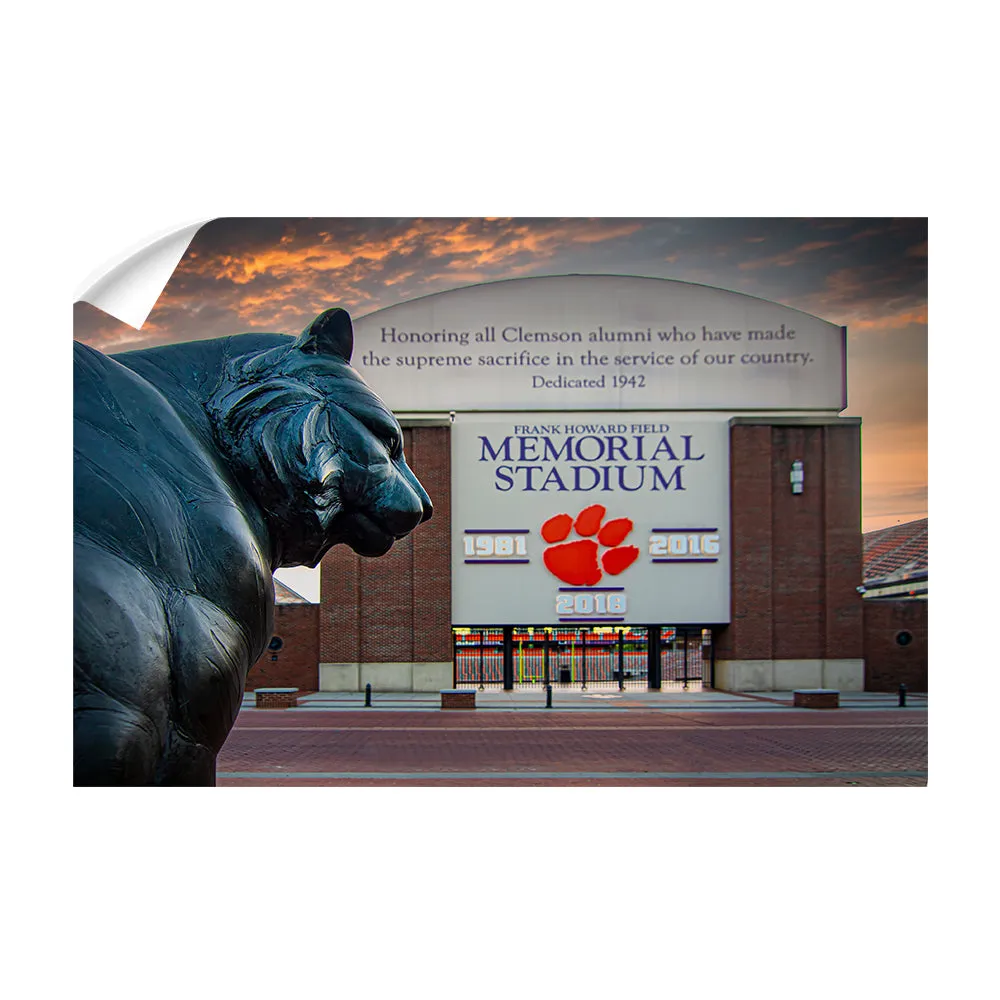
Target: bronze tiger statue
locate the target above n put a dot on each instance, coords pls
(199, 469)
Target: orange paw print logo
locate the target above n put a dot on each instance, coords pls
(576, 563)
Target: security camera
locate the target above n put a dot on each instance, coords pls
(860, 590)
(451, 415)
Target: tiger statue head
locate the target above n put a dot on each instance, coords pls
(318, 451)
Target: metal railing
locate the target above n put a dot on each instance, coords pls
(582, 657)
(685, 658)
(478, 658)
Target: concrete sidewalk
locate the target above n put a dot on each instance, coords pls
(606, 699)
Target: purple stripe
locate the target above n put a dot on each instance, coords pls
(497, 531)
(682, 560)
(681, 531)
(497, 562)
(589, 621)
(591, 590)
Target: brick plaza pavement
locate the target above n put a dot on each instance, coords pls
(785, 746)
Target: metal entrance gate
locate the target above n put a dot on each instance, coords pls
(686, 658)
(478, 657)
(584, 657)
(623, 657)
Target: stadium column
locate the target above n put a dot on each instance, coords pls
(654, 671)
(508, 657)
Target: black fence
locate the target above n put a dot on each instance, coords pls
(685, 658)
(586, 657)
(478, 657)
(594, 657)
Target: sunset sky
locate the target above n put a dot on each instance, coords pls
(870, 275)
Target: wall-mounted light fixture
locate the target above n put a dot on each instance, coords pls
(797, 477)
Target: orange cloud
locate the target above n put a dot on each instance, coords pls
(486, 242)
(600, 233)
(856, 298)
(894, 321)
(402, 276)
(512, 239)
(865, 233)
(304, 269)
(785, 259)
(289, 257)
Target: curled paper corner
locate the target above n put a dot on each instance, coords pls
(129, 290)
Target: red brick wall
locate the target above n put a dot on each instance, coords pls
(887, 664)
(796, 558)
(843, 543)
(297, 663)
(396, 608)
(797, 562)
(431, 456)
(750, 636)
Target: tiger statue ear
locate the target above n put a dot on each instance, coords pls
(329, 333)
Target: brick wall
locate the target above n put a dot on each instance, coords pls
(796, 558)
(750, 636)
(297, 663)
(887, 664)
(397, 608)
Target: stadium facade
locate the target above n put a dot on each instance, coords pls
(637, 482)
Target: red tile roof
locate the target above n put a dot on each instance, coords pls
(285, 595)
(899, 551)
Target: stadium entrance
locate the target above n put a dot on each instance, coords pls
(622, 657)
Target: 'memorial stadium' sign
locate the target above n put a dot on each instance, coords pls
(578, 518)
(599, 342)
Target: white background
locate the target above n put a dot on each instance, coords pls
(128, 121)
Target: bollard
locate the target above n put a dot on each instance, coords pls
(902, 696)
(368, 695)
(548, 695)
